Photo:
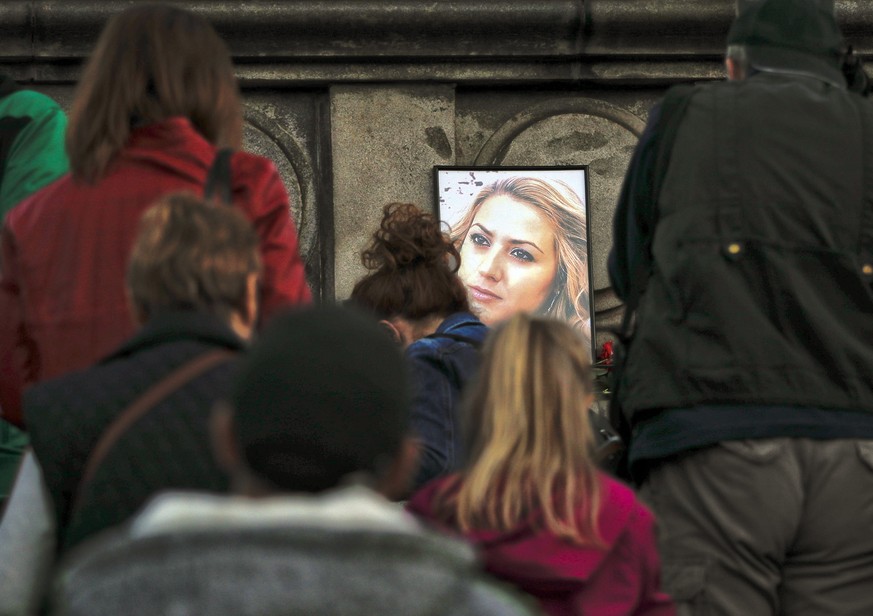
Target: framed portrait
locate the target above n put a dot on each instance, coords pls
(524, 240)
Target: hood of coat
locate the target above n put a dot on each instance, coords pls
(173, 143)
(533, 559)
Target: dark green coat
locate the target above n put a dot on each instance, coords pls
(759, 292)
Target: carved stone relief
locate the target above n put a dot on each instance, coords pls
(265, 136)
(283, 124)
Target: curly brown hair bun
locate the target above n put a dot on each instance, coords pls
(407, 237)
(413, 267)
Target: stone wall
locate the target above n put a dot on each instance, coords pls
(357, 101)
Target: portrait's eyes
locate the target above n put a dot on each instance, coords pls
(521, 254)
(479, 239)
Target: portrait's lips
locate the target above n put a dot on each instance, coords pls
(483, 295)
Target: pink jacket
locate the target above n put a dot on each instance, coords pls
(621, 579)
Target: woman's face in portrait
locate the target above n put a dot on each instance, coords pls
(508, 259)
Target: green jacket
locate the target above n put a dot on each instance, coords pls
(32, 129)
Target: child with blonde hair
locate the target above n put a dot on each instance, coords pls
(530, 497)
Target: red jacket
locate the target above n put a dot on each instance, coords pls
(623, 578)
(65, 251)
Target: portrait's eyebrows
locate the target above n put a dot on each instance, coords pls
(482, 228)
(515, 242)
(511, 241)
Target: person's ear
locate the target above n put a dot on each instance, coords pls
(395, 483)
(734, 70)
(137, 314)
(392, 330)
(588, 403)
(251, 302)
(224, 446)
(244, 318)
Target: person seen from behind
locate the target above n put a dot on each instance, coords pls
(747, 393)
(414, 289)
(105, 439)
(530, 497)
(155, 103)
(32, 128)
(315, 437)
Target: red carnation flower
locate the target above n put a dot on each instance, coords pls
(606, 352)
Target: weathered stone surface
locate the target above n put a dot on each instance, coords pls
(464, 41)
(282, 128)
(385, 142)
(355, 100)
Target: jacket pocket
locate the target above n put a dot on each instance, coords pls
(759, 451)
(865, 452)
(685, 582)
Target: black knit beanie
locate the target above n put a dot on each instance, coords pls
(321, 396)
(789, 35)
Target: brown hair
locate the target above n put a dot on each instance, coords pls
(528, 435)
(568, 298)
(413, 268)
(151, 62)
(191, 254)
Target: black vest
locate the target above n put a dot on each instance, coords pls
(762, 290)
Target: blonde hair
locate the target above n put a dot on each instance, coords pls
(528, 435)
(151, 62)
(568, 298)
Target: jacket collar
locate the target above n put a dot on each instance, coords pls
(459, 321)
(344, 508)
(176, 325)
(821, 72)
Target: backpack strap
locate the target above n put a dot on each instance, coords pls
(141, 406)
(218, 180)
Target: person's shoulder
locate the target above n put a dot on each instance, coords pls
(619, 496)
(74, 392)
(247, 165)
(63, 412)
(115, 379)
(440, 346)
(469, 325)
(27, 103)
(460, 329)
(256, 181)
(423, 502)
(46, 201)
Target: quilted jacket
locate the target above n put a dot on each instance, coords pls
(167, 448)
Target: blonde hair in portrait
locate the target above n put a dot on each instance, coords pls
(568, 297)
(528, 434)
